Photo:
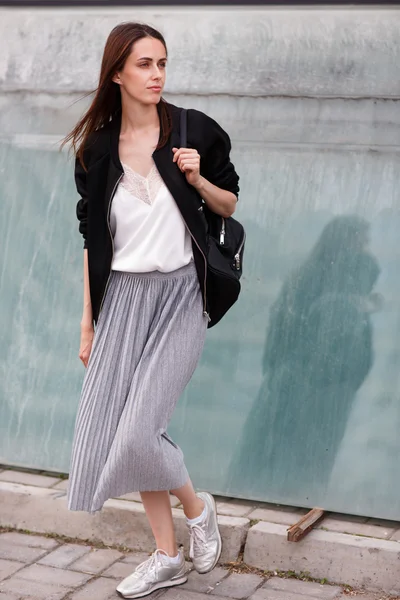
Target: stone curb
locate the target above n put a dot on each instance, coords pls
(341, 558)
(44, 510)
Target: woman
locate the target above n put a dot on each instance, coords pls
(145, 288)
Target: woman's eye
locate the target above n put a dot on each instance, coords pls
(144, 65)
(163, 65)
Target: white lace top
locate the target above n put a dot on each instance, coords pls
(148, 229)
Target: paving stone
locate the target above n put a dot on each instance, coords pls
(136, 497)
(384, 523)
(95, 561)
(238, 585)
(179, 593)
(22, 554)
(23, 539)
(53, 576)
(28, 478)
(365, 596)
(99, 589)
(387, 528)
(33, 590)
(136, 558)
(204, 583)
(354, 528)
(7, 596)
(280, 507)
(119, 570)
(132, 496)
(351, 518)
(269, 594)
(65, 555)
(283, 517)
(8, 567)
(61, 485)
(294, 586)
(234, 509)
(396, 536)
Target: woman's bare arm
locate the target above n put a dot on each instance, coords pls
(87, 316)
(87, 328)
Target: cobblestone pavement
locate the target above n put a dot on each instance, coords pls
(34, 567)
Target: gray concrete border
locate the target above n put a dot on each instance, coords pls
(311, 52)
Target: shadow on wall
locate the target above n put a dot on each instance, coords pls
(317, 354)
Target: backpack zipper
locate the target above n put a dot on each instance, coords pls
(237, 255)
(112, 240)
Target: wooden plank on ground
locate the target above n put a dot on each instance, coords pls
(298, 531)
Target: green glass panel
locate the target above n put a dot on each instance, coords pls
(41, 299)
(297, 397)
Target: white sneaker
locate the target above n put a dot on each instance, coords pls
(153, 574)
(205, 539)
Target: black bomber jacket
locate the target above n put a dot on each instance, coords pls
(97, 184)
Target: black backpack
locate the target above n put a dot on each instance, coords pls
(225, 247)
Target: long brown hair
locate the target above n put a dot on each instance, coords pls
(107, 100)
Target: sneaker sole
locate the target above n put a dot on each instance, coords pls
(215, 517)
(158, 586)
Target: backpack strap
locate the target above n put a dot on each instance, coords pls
(183, 131)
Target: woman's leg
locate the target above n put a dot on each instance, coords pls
(158, 510)
(205, 539)
(159, 571)
(193, 506)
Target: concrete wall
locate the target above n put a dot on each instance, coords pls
(260, 52)
(258, 62)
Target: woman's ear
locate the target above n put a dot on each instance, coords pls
(117, 79)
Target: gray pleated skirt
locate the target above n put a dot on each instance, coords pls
(147, 343)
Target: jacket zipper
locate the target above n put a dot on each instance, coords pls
(205, 313)
(222, 234)
(112, 239)
(237, 255)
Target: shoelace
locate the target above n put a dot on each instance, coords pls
(198, 539)
(150, 565)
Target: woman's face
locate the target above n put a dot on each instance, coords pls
(143, 75)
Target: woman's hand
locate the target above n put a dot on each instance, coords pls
(87, 334)
(221, 202)
(188, 160)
